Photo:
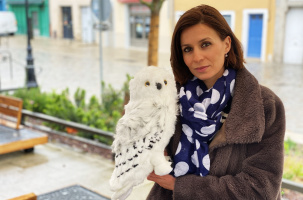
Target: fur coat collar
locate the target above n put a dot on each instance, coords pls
(247, 108)
(249, 111)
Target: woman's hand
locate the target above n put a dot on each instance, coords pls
(166, 181)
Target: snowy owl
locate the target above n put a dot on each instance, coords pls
(145, 130)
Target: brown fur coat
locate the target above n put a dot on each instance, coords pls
(246, 154)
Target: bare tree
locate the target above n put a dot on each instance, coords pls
(153, 38)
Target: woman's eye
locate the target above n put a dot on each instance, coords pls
(187, 49)
(206, 44)
(147, 83)
(165, 82)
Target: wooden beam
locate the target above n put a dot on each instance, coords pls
(30, 196)
(22, 144)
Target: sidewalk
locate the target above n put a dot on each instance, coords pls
(54, 166)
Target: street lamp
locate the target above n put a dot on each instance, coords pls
(30, 68)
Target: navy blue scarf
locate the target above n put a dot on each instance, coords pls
(201, 113)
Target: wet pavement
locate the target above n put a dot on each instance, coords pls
(54, 166)
(62, 64)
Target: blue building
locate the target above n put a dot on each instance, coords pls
(2, 5)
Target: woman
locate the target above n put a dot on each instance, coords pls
(229, 137)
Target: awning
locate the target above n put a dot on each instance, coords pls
(22, 2)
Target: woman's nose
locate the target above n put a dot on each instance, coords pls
(197, 56)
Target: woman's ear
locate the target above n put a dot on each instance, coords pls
(227, 42)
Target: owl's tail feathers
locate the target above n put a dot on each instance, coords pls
(122, 194)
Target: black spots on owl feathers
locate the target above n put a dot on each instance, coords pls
(117, 155)
(147, 143)
(133, 166)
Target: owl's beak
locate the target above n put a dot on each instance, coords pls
(159, 86)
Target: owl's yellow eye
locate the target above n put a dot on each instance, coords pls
(147, 83)
(165, 82)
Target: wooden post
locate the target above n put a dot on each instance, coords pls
(153, 38)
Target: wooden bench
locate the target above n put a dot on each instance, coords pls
(30, 196)
(10, 111)
(13, 136)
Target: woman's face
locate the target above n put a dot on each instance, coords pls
(204, 52)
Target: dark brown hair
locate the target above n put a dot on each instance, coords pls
(211, 17)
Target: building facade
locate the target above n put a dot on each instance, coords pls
(2, 5)
(288, 32)
(38, 13)
(131, 22)
(252, 22)
(270, 30)
(72, 19)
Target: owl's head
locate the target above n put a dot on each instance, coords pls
(152, 83)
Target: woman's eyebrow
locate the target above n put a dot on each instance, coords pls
(204, 39)
(200, 41)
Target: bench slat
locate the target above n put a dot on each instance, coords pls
(10, 101)
(12, 107)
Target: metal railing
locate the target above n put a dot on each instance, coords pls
(287, 184)
(74, 125)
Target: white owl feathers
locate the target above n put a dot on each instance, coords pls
(145, 130)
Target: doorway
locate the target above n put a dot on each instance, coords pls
(87, 25)
(67, 22)
(255, 35)
(139, 25)
(35, 23)
(293, 41)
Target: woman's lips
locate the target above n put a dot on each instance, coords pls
(201, 69)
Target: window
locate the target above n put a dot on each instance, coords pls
(230, 18)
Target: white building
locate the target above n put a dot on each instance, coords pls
(289, 32)
(129, 23)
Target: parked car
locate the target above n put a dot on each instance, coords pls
(8, 23)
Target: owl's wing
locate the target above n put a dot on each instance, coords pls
(133, 163)
(136, 123)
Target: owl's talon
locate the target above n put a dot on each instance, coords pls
(163, 169)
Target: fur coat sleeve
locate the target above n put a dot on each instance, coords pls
(246, 153)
